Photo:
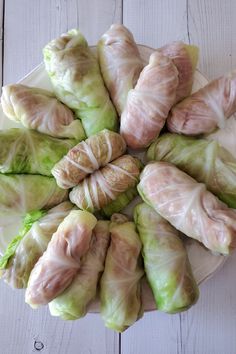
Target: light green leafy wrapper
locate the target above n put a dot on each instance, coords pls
(165, 261)
(77, 81)
(120, 292)
(120, 202)
(27, 151)
(25, 193)
(26, 248)
(73, 302)
(204, 160)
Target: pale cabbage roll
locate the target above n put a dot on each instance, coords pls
(166, 262)
(25, 193)
(77, 81)
(188, 206)
(39, 109)
(30, 245)
(57, 267)
(74, 301)
(106, 184)
(120, 63)
(148, 104)
(185, 58)
(206, 109)
(87, 157)
(120, 284)
(27, 151)
(204, 160)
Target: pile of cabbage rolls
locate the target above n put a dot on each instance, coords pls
(70, 169)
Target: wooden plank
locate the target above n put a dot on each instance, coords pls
(29, 25)
(212, 27)
(22, 330)
(156, 22)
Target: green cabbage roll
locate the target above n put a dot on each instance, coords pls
(27, 151)
(120, 291)
(206, 161)
(39, 109)
(77, 81)
(165, 262)
(25, 193)
(120, 202)
(26, 248)
(73, 302)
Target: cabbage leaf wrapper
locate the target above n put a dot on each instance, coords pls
(188, 206)
(77, 81)
(29, 245)
(120, 63)
(106, 184)
(40, 110)
(120, 202)
(185, 58)
(87, 157)
(204, 160)
(120, 284)
(206, 109)
(148, 104)
(166, 262)
(27, 151)
(74, 301)
(57, 267)
(26, 193)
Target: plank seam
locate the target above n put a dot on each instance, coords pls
(2, 38)
(187, 15)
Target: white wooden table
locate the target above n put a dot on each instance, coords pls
(27, 25)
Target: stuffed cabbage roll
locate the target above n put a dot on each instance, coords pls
(204, 160)
(26, 248)
(73, 302)
(148, 104)
(59, 264)
(185, 58)
(77, 81)
(38, 109)
(120, 202)
(106, 184)
(25, 193)
(120, 285)
(188, 206)
(206, 109)
(120, 63)
(27, 151)
(88, 156)
(165, 262)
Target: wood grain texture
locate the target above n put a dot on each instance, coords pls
(155, 23)
(22, 330)
(29, 25)
(212, 26)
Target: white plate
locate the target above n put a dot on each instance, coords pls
(204, 263)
